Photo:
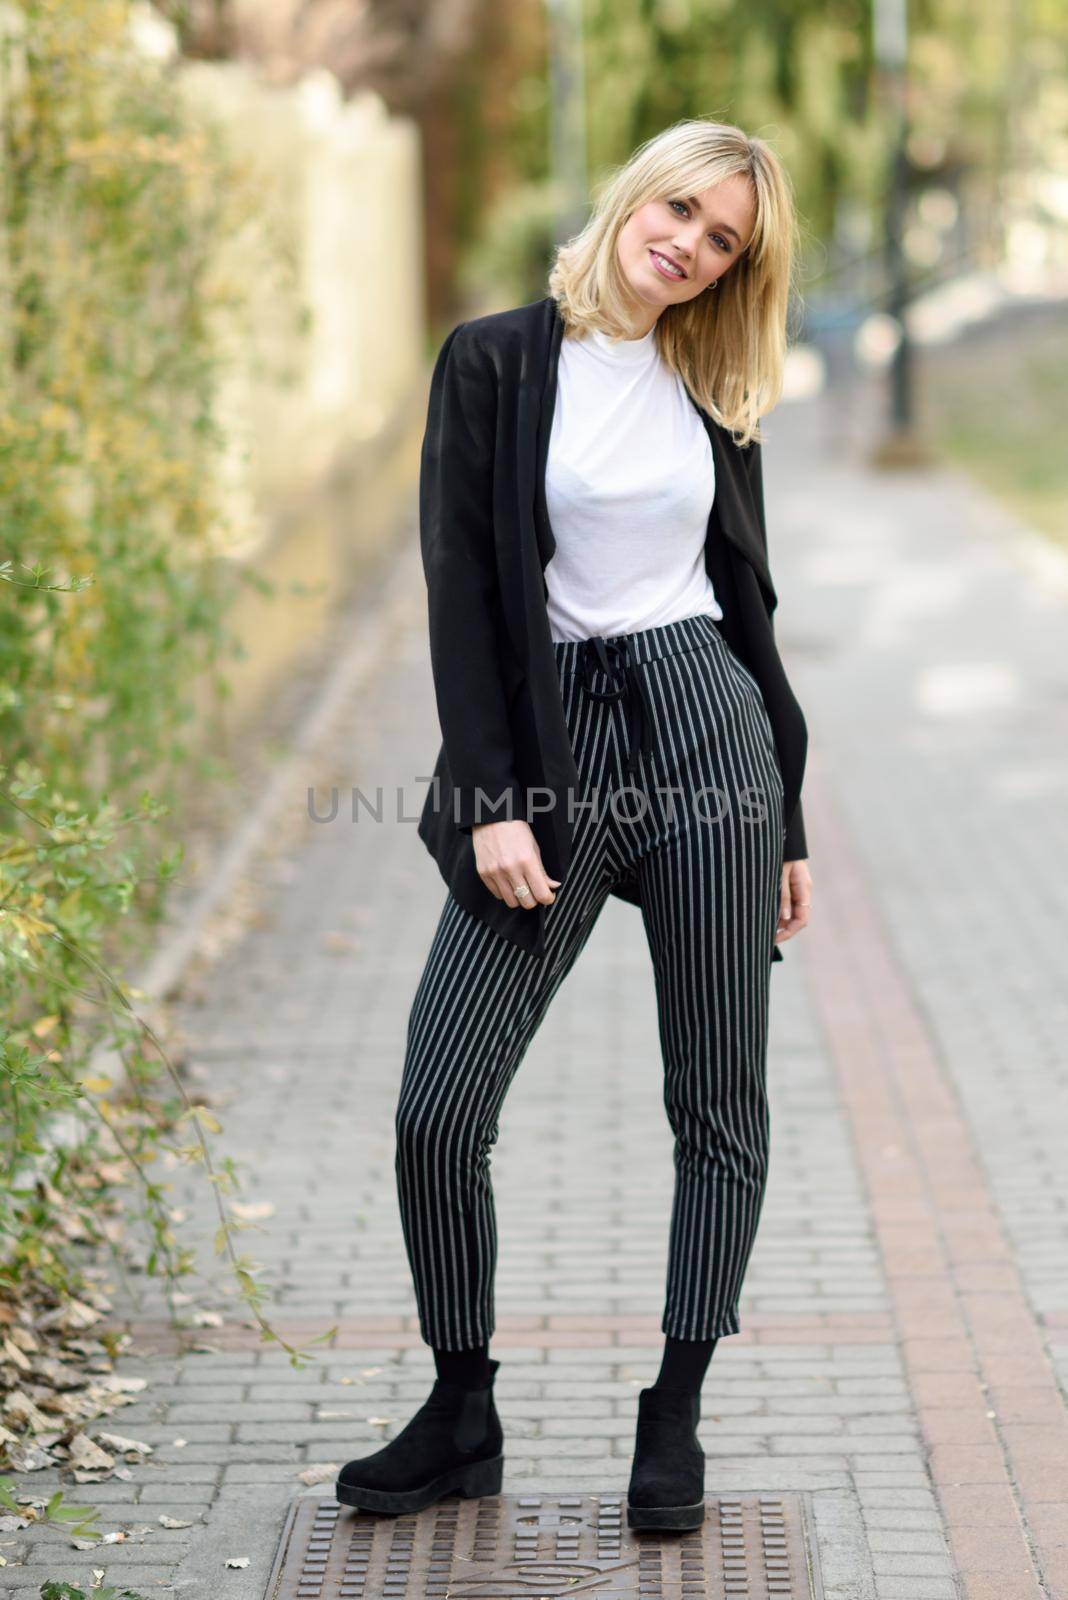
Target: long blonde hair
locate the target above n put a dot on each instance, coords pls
(729, 344)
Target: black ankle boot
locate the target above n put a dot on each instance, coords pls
(453, 1445)
(667, 1480)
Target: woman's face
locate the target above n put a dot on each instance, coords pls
(701, 235)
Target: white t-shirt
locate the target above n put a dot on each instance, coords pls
(629, 484)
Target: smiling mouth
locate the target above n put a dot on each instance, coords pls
(668, 268)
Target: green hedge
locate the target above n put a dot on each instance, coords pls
(114, 601)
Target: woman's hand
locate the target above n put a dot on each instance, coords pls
(795, 897)
(507, 857)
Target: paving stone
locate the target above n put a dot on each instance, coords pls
(154, 1578)
(900, 1519)
(914, 1564)
(915, 1588)
(908, 1538)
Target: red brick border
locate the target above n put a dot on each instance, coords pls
(985, 1392)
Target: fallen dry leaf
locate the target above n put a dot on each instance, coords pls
(91, 1349)
(20, 1411)
(28, 1458)
(121, 1385)
(320, 1472)
(87, 1455)
(12, 1353)
(69, 1405)
(70, 1315)
(60, 1374)
(237, 1561)
(122, 1446)
(252, 1210)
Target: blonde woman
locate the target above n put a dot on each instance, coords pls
(615, 720)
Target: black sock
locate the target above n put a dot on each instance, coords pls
(469, 1368)
(684, 1364)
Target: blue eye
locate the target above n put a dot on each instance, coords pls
(719, 236)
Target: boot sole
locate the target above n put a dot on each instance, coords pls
(470, 1482)
(666, 1517)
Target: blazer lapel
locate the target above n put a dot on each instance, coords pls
(734, 500)
(733, 509)
(552, 332)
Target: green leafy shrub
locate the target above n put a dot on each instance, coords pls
(113, 604)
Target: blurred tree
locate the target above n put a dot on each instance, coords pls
(800, 72)
(985, 100)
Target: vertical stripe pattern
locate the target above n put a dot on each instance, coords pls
(700, 826)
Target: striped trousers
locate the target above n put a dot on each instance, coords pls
(680, 786)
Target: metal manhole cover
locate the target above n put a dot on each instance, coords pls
(503, 1547)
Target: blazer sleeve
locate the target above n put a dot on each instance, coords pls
(794, 846)
(463, 596)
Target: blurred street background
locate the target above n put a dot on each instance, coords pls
(233, 234)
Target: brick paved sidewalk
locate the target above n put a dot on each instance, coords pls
(906, 1306)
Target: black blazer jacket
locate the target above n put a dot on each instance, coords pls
(486, 541)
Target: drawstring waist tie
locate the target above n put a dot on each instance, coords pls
(614, 660)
